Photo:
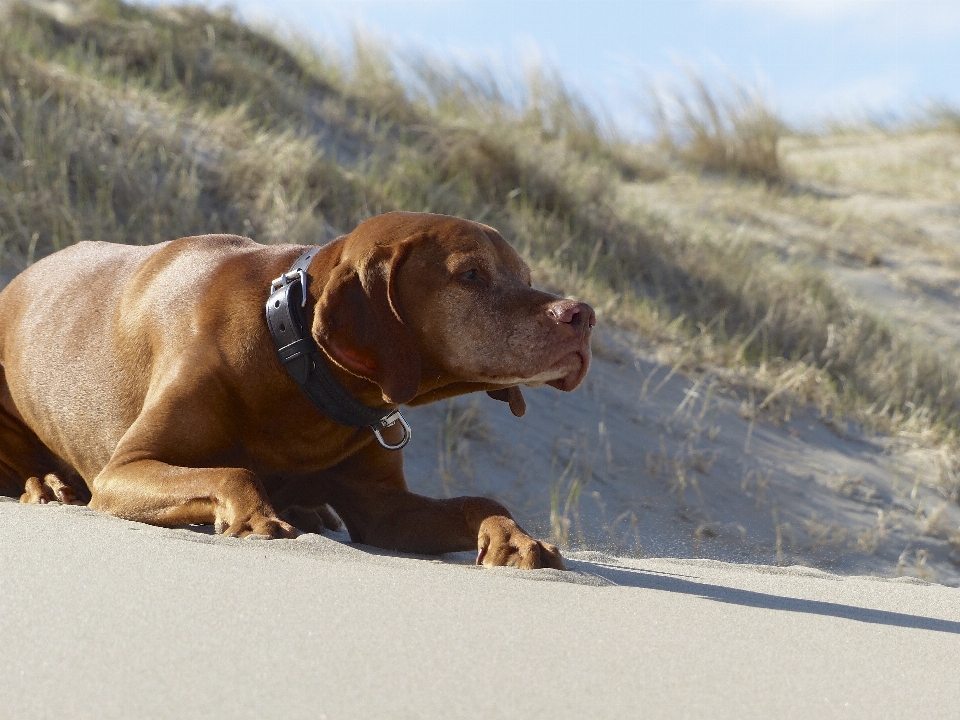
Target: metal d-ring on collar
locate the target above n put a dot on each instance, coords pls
(303, 360)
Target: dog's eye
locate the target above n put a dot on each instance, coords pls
(471, 275)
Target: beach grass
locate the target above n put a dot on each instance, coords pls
(137, 125)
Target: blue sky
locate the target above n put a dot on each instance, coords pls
(813, 59)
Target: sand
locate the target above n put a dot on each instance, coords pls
(668, 464)
(104, 618)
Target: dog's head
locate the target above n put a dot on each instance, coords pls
(429, 306)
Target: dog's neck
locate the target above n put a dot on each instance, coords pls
(365, 391)
(336, 393)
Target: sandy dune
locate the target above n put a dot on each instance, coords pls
(103, 618)
(732, 555)
(670, 465)
(879, 218)
(697, 527)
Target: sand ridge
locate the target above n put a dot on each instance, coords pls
(103, 618)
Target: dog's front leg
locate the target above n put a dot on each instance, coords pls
(164, 471)
(371, 496)
(149, 491)
(413, 523)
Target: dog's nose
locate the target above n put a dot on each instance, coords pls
(573, 312)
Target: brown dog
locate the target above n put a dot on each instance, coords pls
(144, 379)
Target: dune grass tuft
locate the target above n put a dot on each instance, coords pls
(733, 132)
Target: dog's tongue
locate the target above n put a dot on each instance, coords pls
(513, 397)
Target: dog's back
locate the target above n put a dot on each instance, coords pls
(78, 337)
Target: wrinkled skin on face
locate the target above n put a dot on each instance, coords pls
(431, 306)
(483, 322)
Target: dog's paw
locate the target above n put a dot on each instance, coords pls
(502, 542)
(259, 526)
(312, 520)
(50, 489)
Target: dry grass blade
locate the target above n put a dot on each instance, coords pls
(734, 133)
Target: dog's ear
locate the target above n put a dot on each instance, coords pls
(357, 324)
(513, 397)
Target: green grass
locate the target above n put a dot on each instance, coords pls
(137, 125)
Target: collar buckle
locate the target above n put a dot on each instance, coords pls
(389, 421)
(289, 278)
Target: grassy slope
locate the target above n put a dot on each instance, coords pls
(139, 125)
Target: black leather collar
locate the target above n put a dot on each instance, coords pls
(303, 360)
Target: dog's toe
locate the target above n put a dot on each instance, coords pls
(60, 490)
(50, 489)
(36, 492)
(261, 527)
(286, 530)
(312, 520)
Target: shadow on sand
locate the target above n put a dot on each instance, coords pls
(667, 582)
(627, 577)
